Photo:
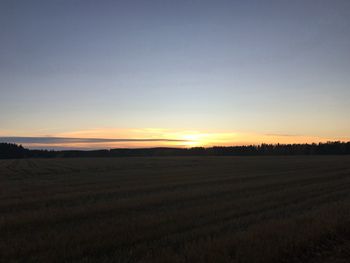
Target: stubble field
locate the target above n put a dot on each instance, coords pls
(176, 209)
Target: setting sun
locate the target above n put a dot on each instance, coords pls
(194, 140)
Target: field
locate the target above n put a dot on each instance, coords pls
(168, 209)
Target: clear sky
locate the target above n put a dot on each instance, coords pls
(206, 72)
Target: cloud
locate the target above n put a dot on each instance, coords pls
(281, 135)
(65, 140)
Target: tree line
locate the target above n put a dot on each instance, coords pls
(14, 151)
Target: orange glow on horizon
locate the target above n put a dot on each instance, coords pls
(185, 139)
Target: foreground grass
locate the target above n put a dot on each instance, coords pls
(205, 209)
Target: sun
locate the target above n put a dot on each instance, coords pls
(194, 140)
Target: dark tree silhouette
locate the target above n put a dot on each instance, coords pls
(11, 151)
(8, 151)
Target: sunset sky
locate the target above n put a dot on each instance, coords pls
(173, 73)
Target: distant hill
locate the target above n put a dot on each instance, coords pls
(12, 151)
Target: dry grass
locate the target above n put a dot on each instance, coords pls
(205, 209)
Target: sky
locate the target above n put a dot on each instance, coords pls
(173, 73)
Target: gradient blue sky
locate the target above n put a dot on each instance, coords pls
(258, 67)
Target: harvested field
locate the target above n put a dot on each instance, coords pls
(176, 209)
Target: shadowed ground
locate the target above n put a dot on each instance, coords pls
(186, 209)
